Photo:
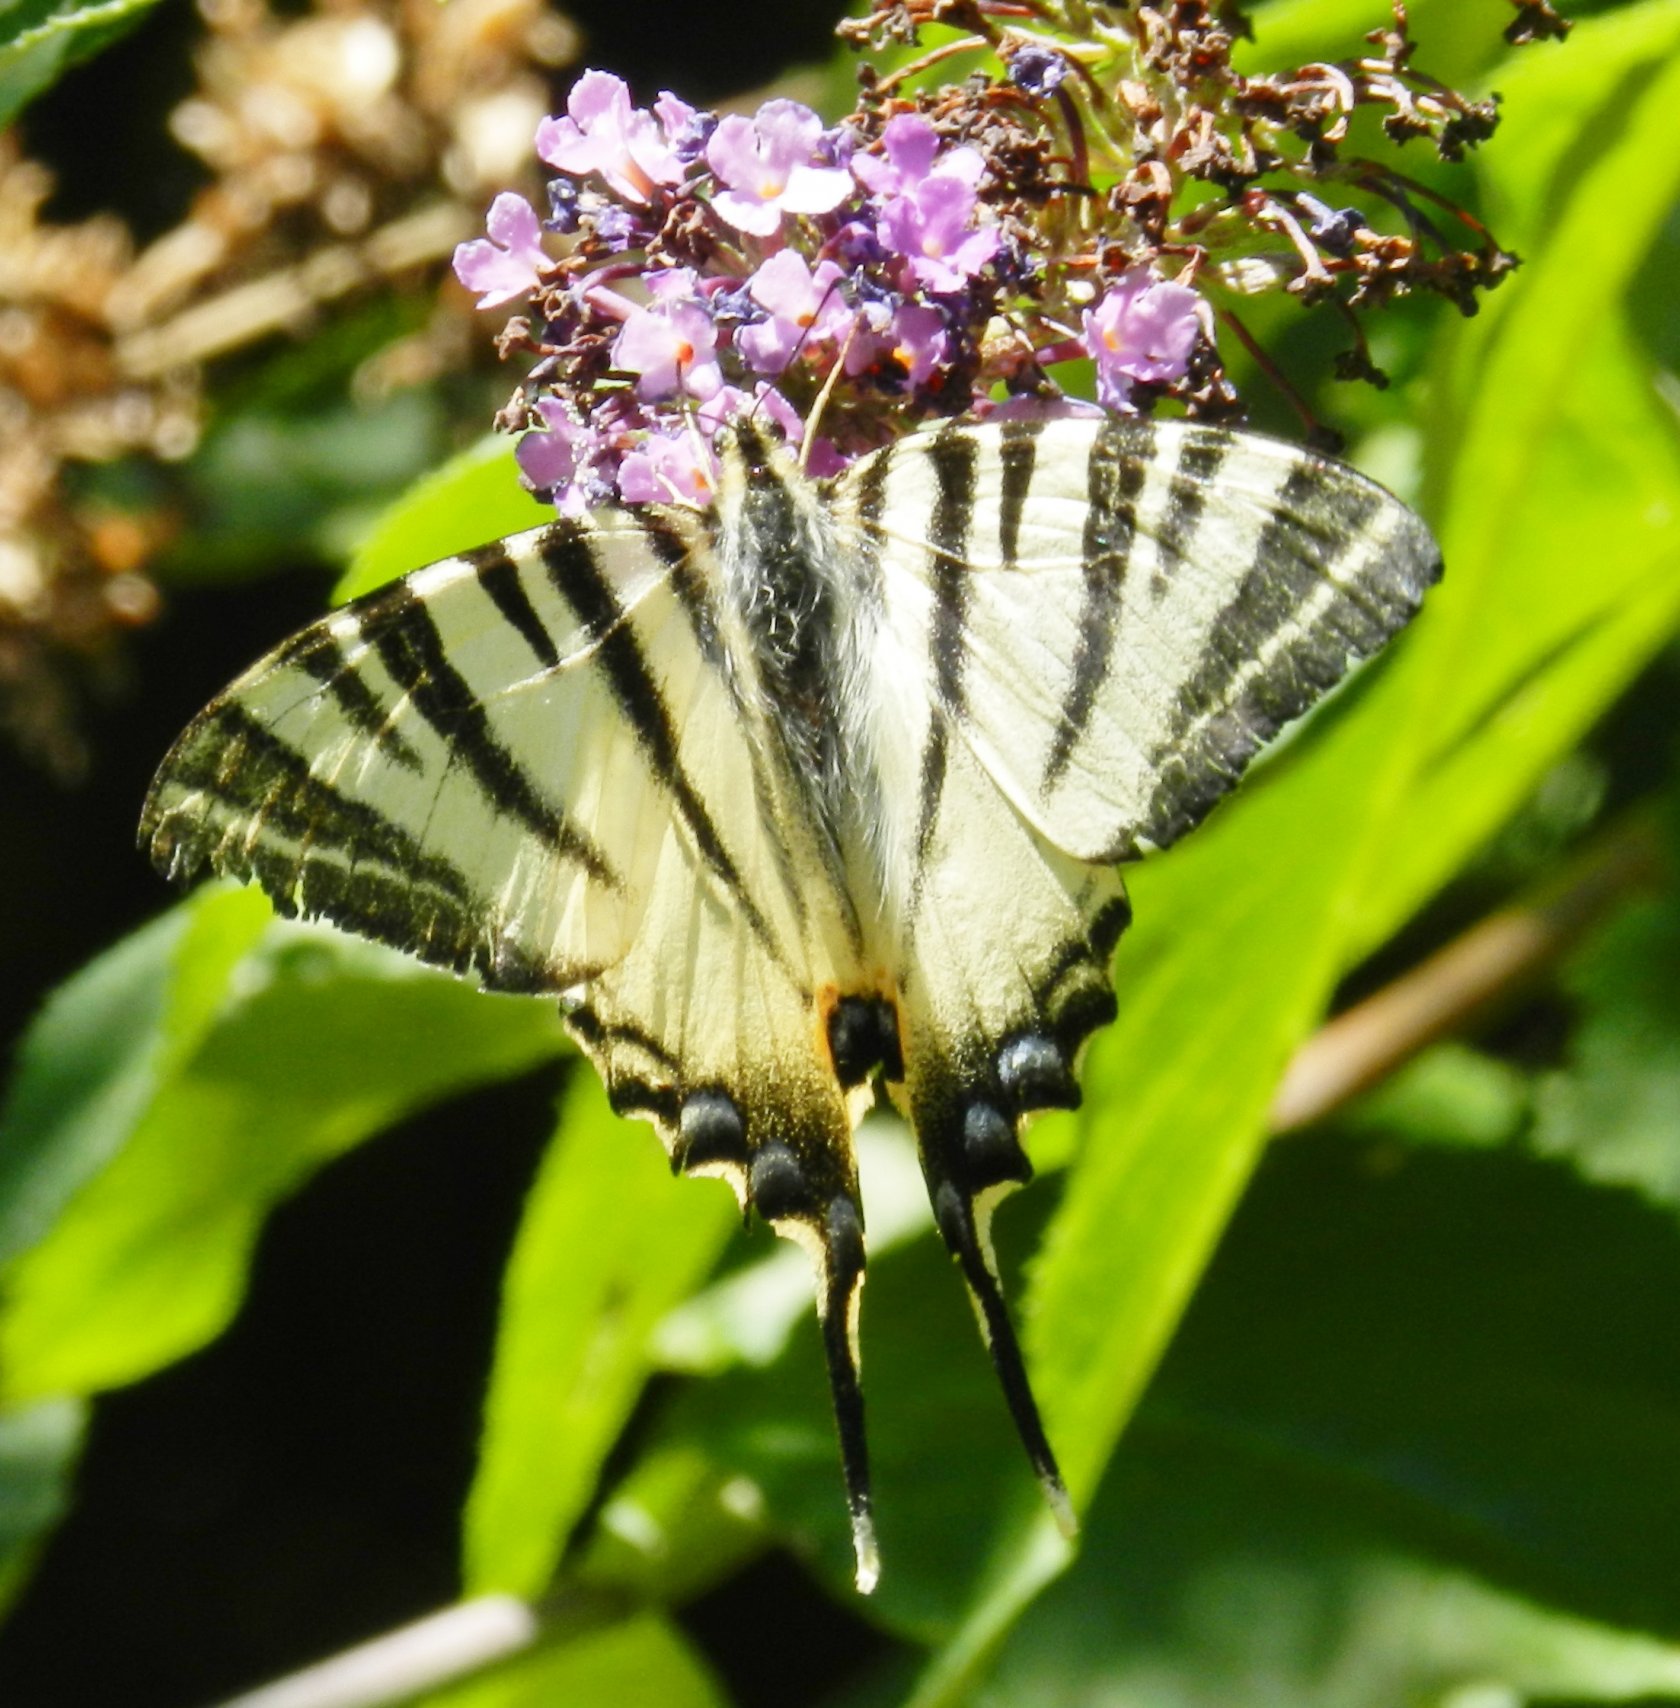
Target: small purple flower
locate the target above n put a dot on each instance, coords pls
(671, 344)
(856, 245)
(733, 305)
(509, 263)
(1143, 329)
(911, 156)
(825, 459)
(685, 129)
(603, 133)
(919, 340)
(765, 167)
(1029, 408)
(804, 307)
(777, 407)
(930, 228)
(560, 457)
(1037, 70)
(565, 211)
(621, 228)
(677, 468)
(723, 406)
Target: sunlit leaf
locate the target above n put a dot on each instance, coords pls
(473, 498)
(608, 1245)
(104, 1044)
(1242, 933)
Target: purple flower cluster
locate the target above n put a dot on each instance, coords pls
(710, 267)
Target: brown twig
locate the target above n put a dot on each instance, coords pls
(1473, 979)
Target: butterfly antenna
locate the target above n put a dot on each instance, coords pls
(823, 397)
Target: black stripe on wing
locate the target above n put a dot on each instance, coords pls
(498, 575)
(319, 654)
(954, 457)
(318, 852)
(1017, 455)
(397, 624)
(1119, 461)
(1297, 620)
(1201, 453)
(576, 576)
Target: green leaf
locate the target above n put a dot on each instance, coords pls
(1553, 450)
(319, 1043)
(609, 1243)
(644, 1662)
(272, 483)
(1391, 1456)
(41, 39)
(1558, 107)
(474, 497)
(38, 1449)
(1451, 1095)
(675, 1527)
(1612, 1111)
(1260, 1590)
(103, 1045)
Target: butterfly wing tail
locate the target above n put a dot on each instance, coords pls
(972, 1159)
(993, 1027)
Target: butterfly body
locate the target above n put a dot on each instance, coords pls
(820, 790)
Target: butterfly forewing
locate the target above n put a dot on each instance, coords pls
(1139, 607)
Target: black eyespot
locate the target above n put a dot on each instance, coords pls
(863, 1036)
(777, 1182)
(950, 1211)
(710, 1130)
(843, 1236)
(991, 1154)
(1033, 1071)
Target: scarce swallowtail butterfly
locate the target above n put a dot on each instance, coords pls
(817, 792)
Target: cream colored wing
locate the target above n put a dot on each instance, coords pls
(1117, 614)
(531, 763)
(1085, 629)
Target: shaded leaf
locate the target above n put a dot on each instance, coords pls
(675, 1526)
(1614, 1111)
(1451, 1095)
(323, 1042)
(1390, 1455)
(38, 1449)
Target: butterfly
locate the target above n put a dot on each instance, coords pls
(816, 795)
